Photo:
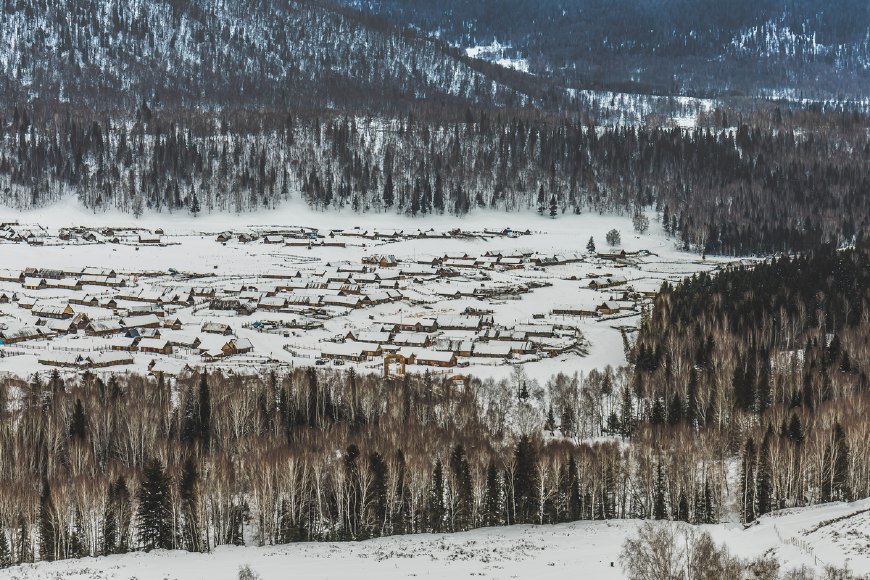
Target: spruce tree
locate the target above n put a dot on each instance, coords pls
(526, 483)
(154, 514)
(764, 476)
(78, 426)
(48, 532)
(204, 409)
(590, 245)
(550, 422)
(436, 499)
(5, 553)
(188, 491)
(493, 502)
(378, 470)
(461, 472)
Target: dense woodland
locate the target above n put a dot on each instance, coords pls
(776, 357)
(765, 367)
(108, 55)
(768, 181)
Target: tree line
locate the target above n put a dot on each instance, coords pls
(773, 180)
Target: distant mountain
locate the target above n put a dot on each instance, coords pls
(712, 47)
(244, 53)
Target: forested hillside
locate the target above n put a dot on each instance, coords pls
(774, 358)
(818, 49)
(249, 53)
(770, 181)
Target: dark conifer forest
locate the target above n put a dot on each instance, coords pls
(753, 183)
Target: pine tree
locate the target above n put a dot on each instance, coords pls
(188, 491)
(23, 551)
(5, 553)
(78, 426)
(626, 413)
(675, 411)
(523, 394)
(48, 532)
(194, 206)
(550, 422)
(554, 207)
(493, 503)
(204, 408)
(764, 476)
(461, 472)
(436, 499)
(526, 483)
(683, 508)
(389, 192)
(190, 428)
(795, 430)
(110, 524)
(154, 514)
(590, 245)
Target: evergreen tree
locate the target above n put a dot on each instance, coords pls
(550, 422)
(492, 515)
(657, 415)
(527, 496)
(590, 245)
(78, 426)
(5, 553)
(675, 410)
(188, 491)
(204, 408)
(683, 508)
(626, 413)
(795, 429)
(436, 509)
(190, 428)
(154, 513)
(378, 469)
(461, 472)
(24, 551)
(389, 191)
(554, 207)
(48, 530)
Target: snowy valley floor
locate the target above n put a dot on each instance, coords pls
(833, 534)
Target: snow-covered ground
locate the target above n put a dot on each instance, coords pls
(199, 260)
(495, 53)
(834, 534)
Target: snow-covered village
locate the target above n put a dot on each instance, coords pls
(463, 302)
(537, 289)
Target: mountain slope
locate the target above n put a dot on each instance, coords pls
(113, 53)
(665, 46)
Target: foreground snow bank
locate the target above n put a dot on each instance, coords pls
(830, 534)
